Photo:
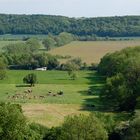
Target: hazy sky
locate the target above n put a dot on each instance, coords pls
(72, 8)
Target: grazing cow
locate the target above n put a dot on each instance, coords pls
(35, 97)
(25, 91)
(29, 90)
(41, 96)
(54, 94)
(30, 98)
(14, 97)
(18, 94)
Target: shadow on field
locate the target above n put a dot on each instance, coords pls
(95, 78)
(92, 102)
(22, 85)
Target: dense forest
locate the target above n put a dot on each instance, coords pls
(44, 24)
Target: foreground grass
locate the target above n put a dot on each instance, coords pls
(92, 51)
(51, 114)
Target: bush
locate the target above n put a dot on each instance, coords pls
(60, 93)
(30, 79)
(53, 134)
(39, 130)
(13, 124)
(83, 128)
(133, 129)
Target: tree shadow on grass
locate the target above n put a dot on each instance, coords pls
(95, 78)
(93, 102)
(92, 90)
(23, 85)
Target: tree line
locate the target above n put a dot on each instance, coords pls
(58, 40)
(45, 24)
(26, 55)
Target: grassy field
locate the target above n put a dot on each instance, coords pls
(51, 110)
(53, 81)
(51, 114)
(92, 51)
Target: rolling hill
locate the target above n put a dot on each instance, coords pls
(92, 51)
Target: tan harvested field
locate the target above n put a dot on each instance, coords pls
(51, 114)
(92, 51)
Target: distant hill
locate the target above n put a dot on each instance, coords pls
(44, 24)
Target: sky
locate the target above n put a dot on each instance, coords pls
(72, 8)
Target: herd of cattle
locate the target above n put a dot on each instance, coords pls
(28, 94)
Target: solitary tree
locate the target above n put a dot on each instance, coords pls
(30, 79)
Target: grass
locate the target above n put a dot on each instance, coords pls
(74, 90)
(92, 51)
(51, 114)
(51, 77)
(51, 110)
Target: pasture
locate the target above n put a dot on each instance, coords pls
(92, 51)
(50, 109)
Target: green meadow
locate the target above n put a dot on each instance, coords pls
(75, 91)
(51, 110)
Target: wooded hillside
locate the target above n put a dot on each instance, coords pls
(44, 24)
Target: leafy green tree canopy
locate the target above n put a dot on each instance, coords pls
(13, 124)
(83, 128)
(30, 79)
